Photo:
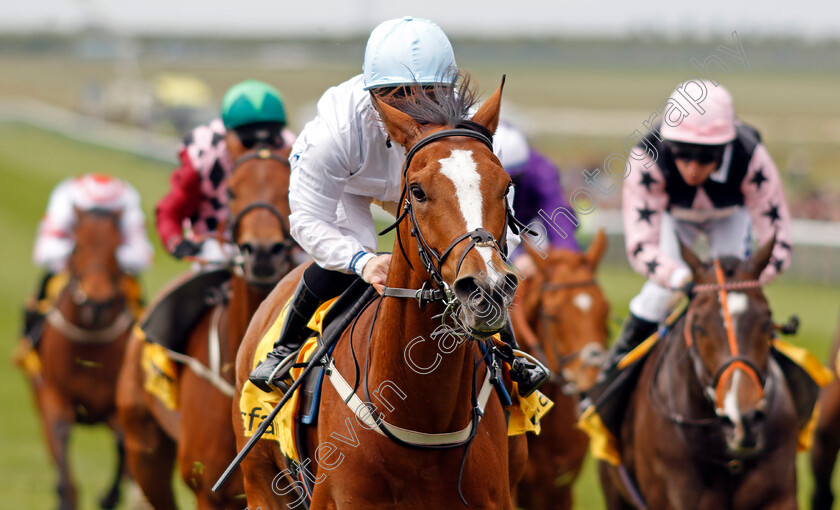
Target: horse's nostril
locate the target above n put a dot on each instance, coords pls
(278, 249)
(465, 289)
(511, 282)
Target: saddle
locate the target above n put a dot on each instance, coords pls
(172, 317)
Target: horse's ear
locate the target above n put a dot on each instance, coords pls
(488, 114)
(759, 260)
(596, 249)
(540, 260)
(401, 127)
(234, 145)
(690, 258)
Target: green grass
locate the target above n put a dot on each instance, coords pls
(31, 162)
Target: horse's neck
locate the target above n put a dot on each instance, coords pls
(244, 301)
(403, 352)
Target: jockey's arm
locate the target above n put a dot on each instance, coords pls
(548, 195)
(643, 202)
(55, 232)
(320, 170)
(135, 253)
(179, 204)
(764, 198)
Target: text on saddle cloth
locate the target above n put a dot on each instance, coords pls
(255, 405)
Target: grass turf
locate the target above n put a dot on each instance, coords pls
(32, 162)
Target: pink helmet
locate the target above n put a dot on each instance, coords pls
(709, 116)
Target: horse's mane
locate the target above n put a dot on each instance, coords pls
(441, 104)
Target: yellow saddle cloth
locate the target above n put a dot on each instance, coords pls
(255, 405)
(604, 445)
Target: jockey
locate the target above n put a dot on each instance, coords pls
(252, 112)
(189, 216)
(55, 241)
(342, 161)
(708, 173)
(538, 188)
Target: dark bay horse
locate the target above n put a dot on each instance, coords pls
(562, 319)
(82, 348)
(827, 436)
(712, 423)
(200, 425)
(454, 192)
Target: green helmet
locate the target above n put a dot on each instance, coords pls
(252, 101)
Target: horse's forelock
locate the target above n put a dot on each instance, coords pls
(444, 106)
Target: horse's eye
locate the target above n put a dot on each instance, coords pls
(418, 193)
(230, 194)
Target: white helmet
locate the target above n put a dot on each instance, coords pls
(407, 50)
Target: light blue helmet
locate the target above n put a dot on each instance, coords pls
(402, 51)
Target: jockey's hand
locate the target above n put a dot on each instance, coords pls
(213, 252)
(186, 248)
(682, 281)
(375, 271)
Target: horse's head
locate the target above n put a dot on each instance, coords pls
(94, 271)
(728, 329)
(258, 202)
(454, 194)
(572, 313)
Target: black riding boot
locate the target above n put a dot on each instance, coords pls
(33, 320)
(634, 332)
(33, 325)
(614, 387)
(528, 374)
(279, 361)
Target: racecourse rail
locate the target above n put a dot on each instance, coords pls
(817, 242)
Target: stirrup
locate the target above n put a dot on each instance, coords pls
(282, 370)
(528, 373)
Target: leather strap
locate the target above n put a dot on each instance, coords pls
(411, 437)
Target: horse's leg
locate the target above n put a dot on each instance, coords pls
(110, 499)
(149, 451)
(57, 419)
(826, 446)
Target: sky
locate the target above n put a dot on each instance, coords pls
(807, 19)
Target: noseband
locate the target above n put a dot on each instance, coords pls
(591, 354)
(261, 153)
(735, 360)
(431, 259)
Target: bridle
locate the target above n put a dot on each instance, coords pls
(591, 354)
(261, 152)
(431, 259)
(714, 390)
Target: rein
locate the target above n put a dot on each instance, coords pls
(121, 323)
(431, 259)
(735, 360)
(591, 354)
(260, 153)
(714, 391)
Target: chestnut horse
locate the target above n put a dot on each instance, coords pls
(82, 348)
(449, 241)
(826, 437)
(562, 319)
(712, 423)
(258, 205)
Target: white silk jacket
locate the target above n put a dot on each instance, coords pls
(340, 163)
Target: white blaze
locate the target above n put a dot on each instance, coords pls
(462, 170)
(730, 405)
(583, 301)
